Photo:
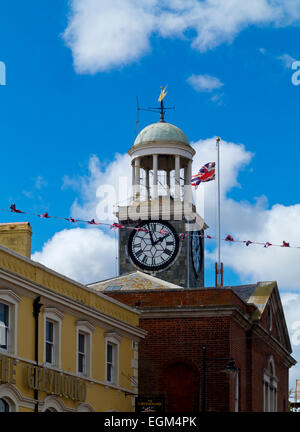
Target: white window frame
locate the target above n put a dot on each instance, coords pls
(54, 316)
(87, 329)
(83, 353)
(4, 328)
(10, 299)
(114, 339)
(52, 343)
(270, 387)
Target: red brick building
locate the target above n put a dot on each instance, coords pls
(245, 323)
(162, 235)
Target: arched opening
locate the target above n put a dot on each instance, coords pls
(4, 406)
(181, 385)
(9, 398)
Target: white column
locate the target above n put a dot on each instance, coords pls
(177, 176)
(133, 179)
(155, 176)
(147, 184)
(168, 182)
(187, 183)
(137, 179)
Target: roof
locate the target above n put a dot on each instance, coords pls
(161, 131)
(135, 280)
(258, 294)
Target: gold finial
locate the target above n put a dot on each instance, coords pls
(218, 139)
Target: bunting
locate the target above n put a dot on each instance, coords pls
(115, 226)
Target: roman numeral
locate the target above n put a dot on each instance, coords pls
(138, 253)
(168, 252)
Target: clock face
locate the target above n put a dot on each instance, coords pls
(196, 246)
(154, 249)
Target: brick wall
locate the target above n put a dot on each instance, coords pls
(175, 339)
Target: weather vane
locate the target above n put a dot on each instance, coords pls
(161, 108)
(163, 94)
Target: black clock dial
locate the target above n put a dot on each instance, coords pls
(196, 246)
(155, 249)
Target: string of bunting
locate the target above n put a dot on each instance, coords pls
(115, 226)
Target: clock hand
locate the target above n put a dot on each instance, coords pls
(160, 239)
(151, 237)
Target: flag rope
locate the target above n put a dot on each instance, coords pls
(115, 225)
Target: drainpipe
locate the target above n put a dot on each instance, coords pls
(36, 310)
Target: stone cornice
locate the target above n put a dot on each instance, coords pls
(160, 147)
(198, 312)
(103, 316)
(232, 311)
(41, 275)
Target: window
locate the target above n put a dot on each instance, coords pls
(269, 317)
(4, 407)
(81, 353)
(52, 347)
(8, 321)
(4, 326)
(50, 354)
(112, 343)
(270, 387)
(110, 358)
(84, 333)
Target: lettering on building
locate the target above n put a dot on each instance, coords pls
(56, 383)
(7, 370)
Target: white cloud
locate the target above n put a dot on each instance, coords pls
(287, 60)
(245, 221)
(291, 306)
(204, 83)
(103, 35)
(83, 254)
(116, 175)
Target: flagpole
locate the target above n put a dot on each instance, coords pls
(219, 206)
(219, 265)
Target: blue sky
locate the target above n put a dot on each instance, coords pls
(70, 96)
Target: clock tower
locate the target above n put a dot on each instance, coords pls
(163, 233)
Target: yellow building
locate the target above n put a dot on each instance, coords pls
(63, 346)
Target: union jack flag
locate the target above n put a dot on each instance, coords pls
(205, 174)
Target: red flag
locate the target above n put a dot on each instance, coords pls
(70, 219)
(92, 222)
(267, 245)
(141, 229)
(229, 238)
(162, 231)
(14, 210)
(182, 236)
(45, 215)
(248, 242)
(285, 244)
(116, 226)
